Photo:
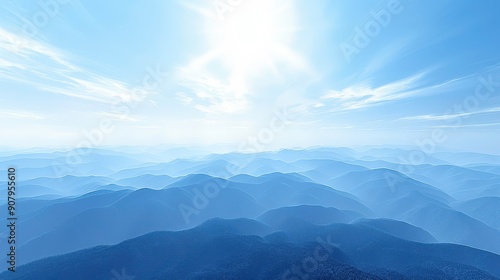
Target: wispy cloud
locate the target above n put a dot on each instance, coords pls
(210, 95)
(20, 115)
(183, 98)
(30, 62)
(116, 116)
(436, 117)
(363, 95)
(487, 125)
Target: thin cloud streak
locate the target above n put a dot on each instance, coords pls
(20, 115)
(209, 95)
(436, 117)
(29, 62)
(363, 95)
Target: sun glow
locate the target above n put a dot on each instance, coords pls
(247, 43)
(252, 36)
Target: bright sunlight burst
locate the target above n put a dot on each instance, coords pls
(254, 36)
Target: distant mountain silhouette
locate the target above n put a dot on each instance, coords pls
(485, 209)
(221, 250)
(164, 213)
(399, 229)
(312, 214)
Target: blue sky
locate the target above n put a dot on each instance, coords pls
(271, 74)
